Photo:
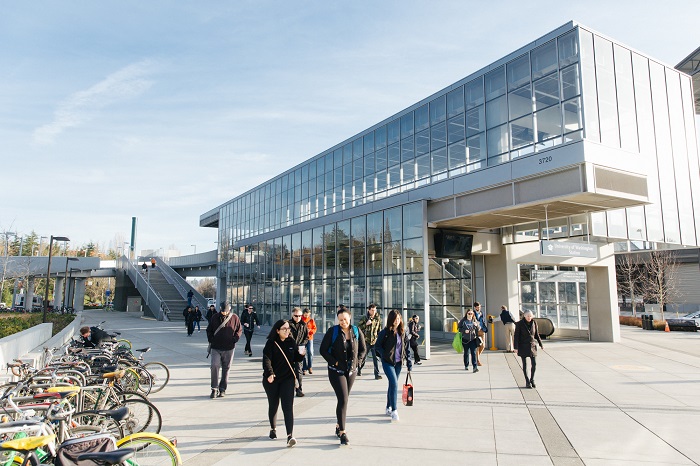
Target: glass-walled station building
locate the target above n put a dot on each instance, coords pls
(509, 187)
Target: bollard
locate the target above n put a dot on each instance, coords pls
(493, 334)
(454, 327)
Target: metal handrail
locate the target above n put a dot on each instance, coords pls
(180, 284)
(143, 285)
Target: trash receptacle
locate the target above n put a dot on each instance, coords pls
(649, 322)
(645, 321)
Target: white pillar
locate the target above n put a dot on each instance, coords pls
(79, 296)
(58, 293)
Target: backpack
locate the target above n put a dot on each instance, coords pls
(335, 335)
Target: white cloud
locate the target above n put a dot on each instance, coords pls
(79, 108)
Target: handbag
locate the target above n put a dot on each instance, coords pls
(407, 395)
(288, 363)
(457, 343)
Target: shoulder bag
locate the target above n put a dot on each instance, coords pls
(223, 324)
(288, 363)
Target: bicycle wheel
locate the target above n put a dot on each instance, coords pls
(159, 373)
(124, 343)
(130, 381)
(150, 449)
(143, 417)
(87, 422)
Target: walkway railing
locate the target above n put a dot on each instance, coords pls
(181, 285)
(153, 299)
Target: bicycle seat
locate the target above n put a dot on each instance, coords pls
(114, 375)
(63, 391)
(109, 457)
(144, 350)
(28, 443)
(118, 414)
(109, 368)
(74, 350)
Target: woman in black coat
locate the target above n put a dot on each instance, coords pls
(342, 347)
(279, 354)
(525, 343)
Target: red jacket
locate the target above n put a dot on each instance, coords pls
(311, 325)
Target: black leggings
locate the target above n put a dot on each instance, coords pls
(342, 384)
(280, 390)
(248, 336)
(532, 371)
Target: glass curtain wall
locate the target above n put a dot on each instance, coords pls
(370, 258)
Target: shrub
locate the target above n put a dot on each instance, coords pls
(660, 325)
(11, 325)
(632, 321)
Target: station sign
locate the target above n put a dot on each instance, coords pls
(558, 276)
(568, 249)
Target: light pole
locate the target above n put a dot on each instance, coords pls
(7, 235)
(65, 279)
(195, 248)
(72, 288)
(48, 275)
(41, 241)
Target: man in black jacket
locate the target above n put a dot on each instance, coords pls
(300, 333)
(92, 337)
(249, 319)
(413, 334)
(223, 332)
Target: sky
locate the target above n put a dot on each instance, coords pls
(164, 110)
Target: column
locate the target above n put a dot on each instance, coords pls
(29, 299)
(79, 296)
(58, 293)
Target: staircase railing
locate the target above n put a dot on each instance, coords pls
(181, 285)
(153, 300)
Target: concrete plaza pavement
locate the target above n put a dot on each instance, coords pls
(635, 402)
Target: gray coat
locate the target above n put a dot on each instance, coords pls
(525, 340)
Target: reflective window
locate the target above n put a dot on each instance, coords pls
(392, 224)
(413, 251)
(455, 102)
(380, 159)
(518, 72)
(423, 142)
(439, 160)
(407, 152)
(546, 91)
(438, 136)
(544, 59)
(495, 83)
(369, 164)
(413, 220)
(496, 112)
(347, 173)
(380, 137)
(408, 171)
(375, 226)
(422, 118)
(521, 132)
(497, 140)
(407, 125)
(357, 172)
(381, 180)
(455, 129)
(570, 82)
(423, 167)
(519, 102)
(347, 153)
(476, 148)
(374, 260)
(457, 155)
(474, 92)
(357, 150)
(475, 120)
(368, 143)
(394, 176)
(393, 131)
(437, 110)
(548, 123)
(568, 49)
(394, 155)
(572, 115)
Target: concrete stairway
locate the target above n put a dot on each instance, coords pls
(175, 302)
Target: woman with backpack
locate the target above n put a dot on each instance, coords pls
(469, 328)
(392, 346)
(342, 347)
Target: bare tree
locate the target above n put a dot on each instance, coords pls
(207, 287)
(659, 281)
(628, 268)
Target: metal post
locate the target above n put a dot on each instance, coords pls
(48, 275)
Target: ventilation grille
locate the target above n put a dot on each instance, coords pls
(620, 182)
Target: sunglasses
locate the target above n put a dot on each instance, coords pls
(286, 329)
(296, 315)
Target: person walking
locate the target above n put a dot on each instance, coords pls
(342, 347)
(483, 330)
(469, 328)
(197, 318)
(190, 294)
(309, 358)
(300, 333)
(370, 324)
(144, 268)
(153, 262)
(393, 346)
(279, 353)
(223, 332)
(525, 342)
(414, 328)
(210, 313)
(188, 313)
(509, 323)
(249, 319)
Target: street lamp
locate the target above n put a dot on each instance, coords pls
(72, 288)
(48, 275)
(65, 279)
(7, 235)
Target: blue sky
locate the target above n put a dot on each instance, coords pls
(164, 110)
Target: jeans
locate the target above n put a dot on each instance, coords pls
(248, 337)
(392, 372)
(309, 358)
(373, 351)
(198, 327)
(469, 348)
(280, 390)
(220, 361)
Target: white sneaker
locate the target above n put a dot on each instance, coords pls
(388, 411)
(394, 416)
